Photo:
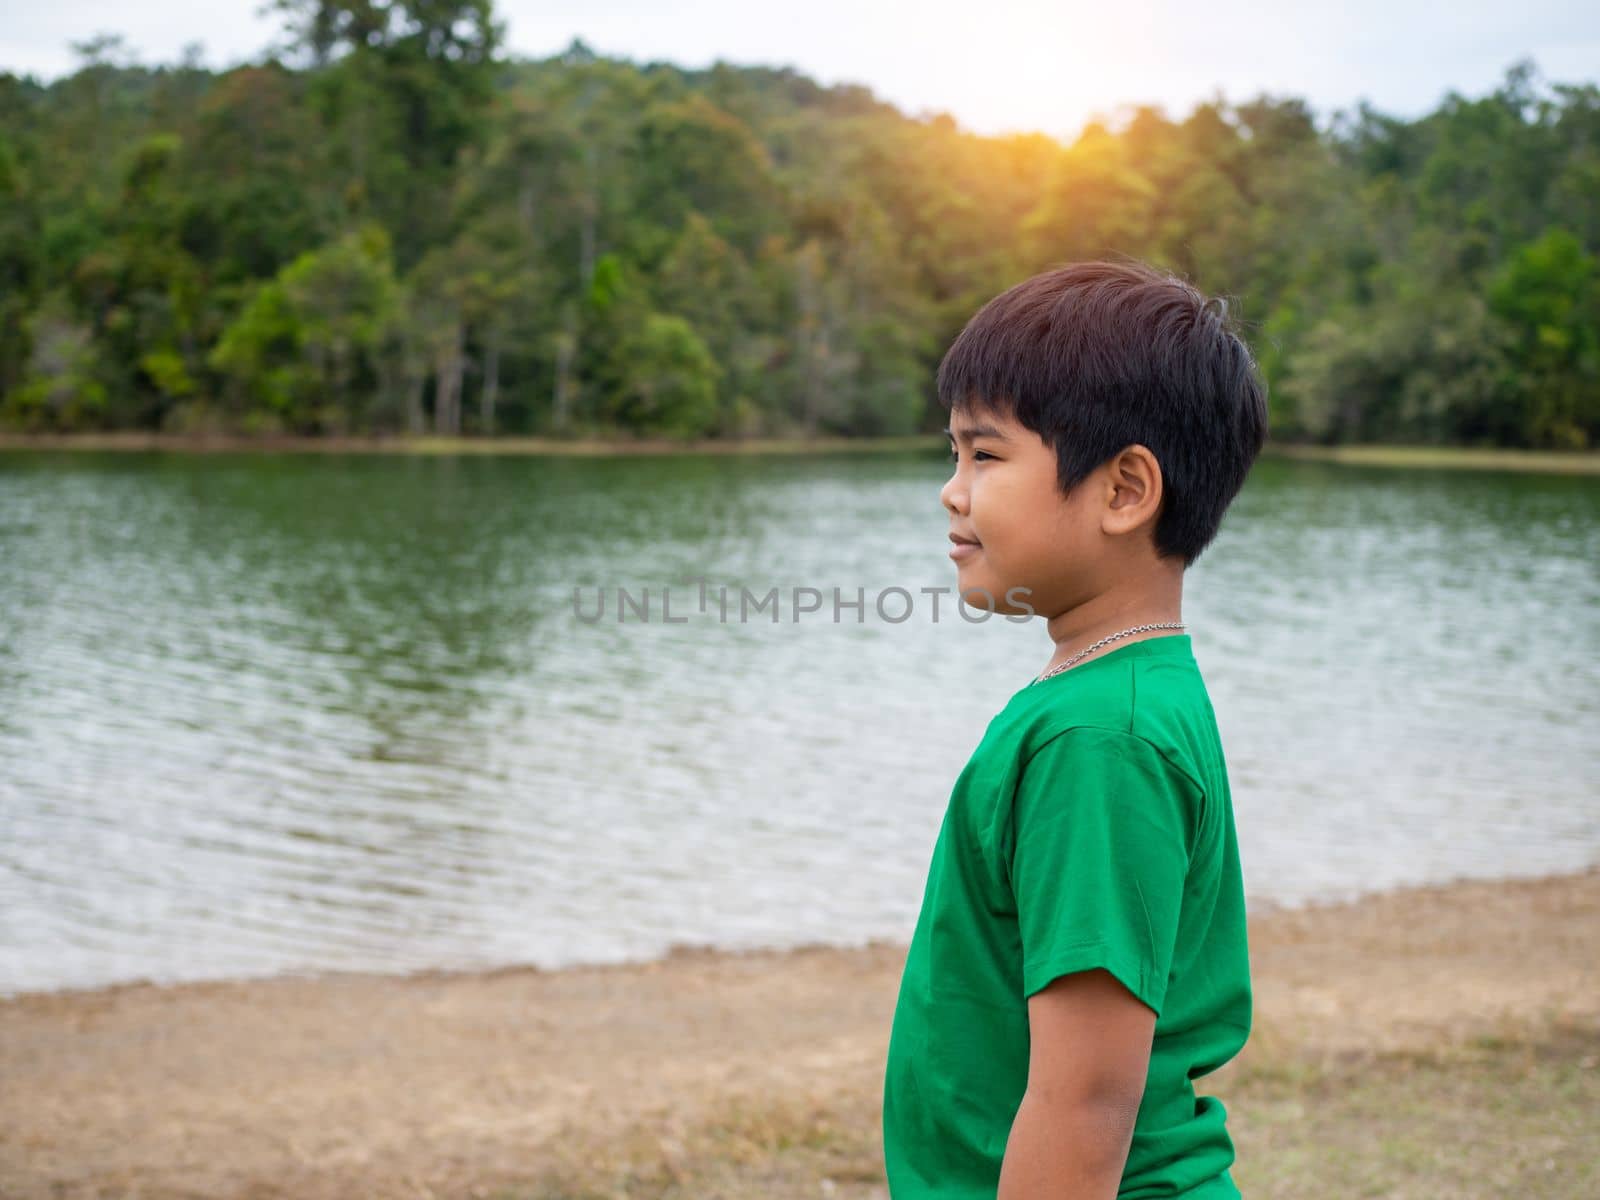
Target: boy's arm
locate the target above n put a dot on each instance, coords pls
(1089, 1054)
(1102, 831)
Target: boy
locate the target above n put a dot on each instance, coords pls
(1080, 957)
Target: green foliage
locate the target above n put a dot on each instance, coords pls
(1549, 293)
(167, 372)
(62, 389)
(306, 337)
(667, 380)
(394, 227)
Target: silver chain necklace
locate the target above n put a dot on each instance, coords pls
(1056, 670)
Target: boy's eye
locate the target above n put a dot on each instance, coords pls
(976, 454)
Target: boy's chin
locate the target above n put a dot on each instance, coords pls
(983, 594)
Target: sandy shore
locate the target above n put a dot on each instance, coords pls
(588, 1081)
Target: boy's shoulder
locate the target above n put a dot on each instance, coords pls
(1157, 697)
(1144, 695)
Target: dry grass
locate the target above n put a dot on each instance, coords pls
(1491, 1118)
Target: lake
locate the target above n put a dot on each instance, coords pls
(268, 713)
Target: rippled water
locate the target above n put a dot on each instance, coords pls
(270, 713)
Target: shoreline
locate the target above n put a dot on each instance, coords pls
(428, 444)
(1442, 457)
(758, 1068)
(1260, 911)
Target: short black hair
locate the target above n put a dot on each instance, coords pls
(1097, 356)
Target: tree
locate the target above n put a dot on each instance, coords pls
(298, 347)
(668, 381)
(1550, 293)
(393, 225)
(61, 388)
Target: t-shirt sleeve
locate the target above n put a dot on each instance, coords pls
(1103, 827)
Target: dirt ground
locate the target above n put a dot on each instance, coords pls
(709, 1074)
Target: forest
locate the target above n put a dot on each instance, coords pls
(388, 224)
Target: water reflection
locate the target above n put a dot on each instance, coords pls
(267, 713)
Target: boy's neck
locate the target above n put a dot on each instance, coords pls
(1154, 601)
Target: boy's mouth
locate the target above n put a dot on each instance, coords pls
(964, 547)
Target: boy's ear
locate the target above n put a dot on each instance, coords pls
(1134, 490)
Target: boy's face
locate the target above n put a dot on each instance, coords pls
(1004, 495)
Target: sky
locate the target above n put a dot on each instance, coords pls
(996, 66)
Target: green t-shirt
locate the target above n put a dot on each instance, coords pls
(1092, 827)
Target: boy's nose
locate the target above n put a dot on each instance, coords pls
(954, 494)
